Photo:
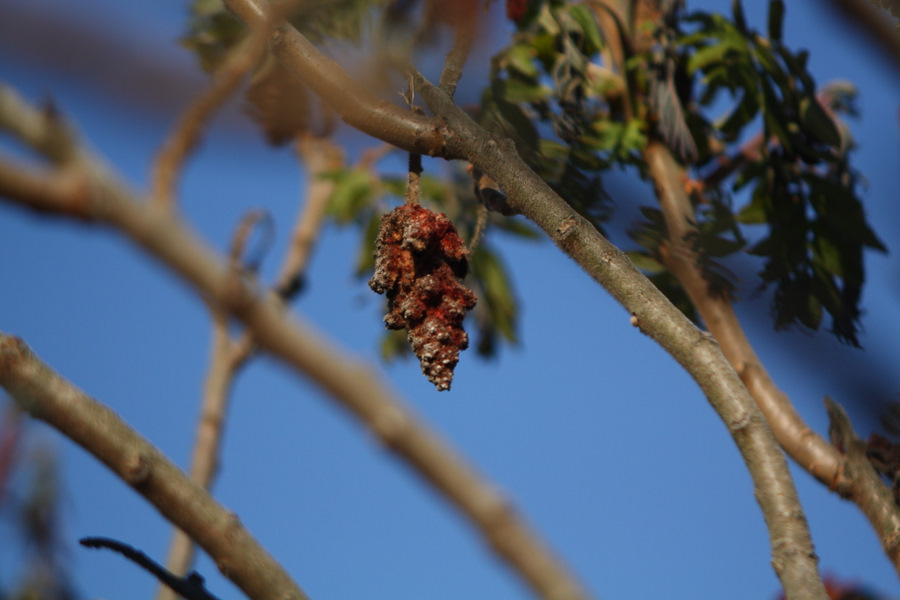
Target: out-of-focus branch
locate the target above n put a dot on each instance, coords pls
(45, 395)
(806, 447)
(349, 383)
(186, 134)
(320, 155)
(10, 434)
(356, 105)
(875, 24)
(228, 354)
(465, 23)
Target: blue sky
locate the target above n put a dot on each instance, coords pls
(603, 443)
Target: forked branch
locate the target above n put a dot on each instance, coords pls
(804, 445)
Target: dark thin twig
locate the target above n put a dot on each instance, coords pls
(189, 587)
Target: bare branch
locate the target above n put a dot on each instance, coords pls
(356, 105)
(45, 395)
(229, 355)
(320, 155)
(875, 24)
(863, 484)
(803, 444)
(186, 134)
(464, 30)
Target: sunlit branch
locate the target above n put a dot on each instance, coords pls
(803, 444)
(228, 355)
(45, 395)
(228, 76)
(792, 550)
(186, 134)
(864, 485)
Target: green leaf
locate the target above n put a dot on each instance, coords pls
(776, 19)
(739, 21)
(354, 189)
(746, 110)
(520, 57)
(817, 123)
(518, 90)
(645, 262)
(582, 15)
(826, 250)
(841, 209)
(756, 212)
(711, 55)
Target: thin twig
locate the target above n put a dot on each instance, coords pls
(229, 355)
(45, 395)
(463, 38)
(186, 134)
(191, 587)
(319, 155)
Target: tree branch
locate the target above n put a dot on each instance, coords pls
(45, 395)
(793, 556)
(186, 134)
(803, 444)
(229, 355)
(865, 488)
(349, 383)
(357, 106)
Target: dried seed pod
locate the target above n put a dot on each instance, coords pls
(419, 261)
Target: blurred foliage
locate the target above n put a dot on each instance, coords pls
(582, 88)
(31, 500)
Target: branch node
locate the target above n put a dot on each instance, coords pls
(567, 228)
(390, 425)
(138, 469)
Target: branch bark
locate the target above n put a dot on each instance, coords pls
(866, 487)
(804, 445)
(229, 354)
(793, 556)
(45, 395)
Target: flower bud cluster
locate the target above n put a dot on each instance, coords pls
(419, 262)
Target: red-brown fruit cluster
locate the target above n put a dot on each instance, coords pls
(419, 260)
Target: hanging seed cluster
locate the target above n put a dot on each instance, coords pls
(419, 261)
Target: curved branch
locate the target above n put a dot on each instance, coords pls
(866, 487)
(45, 395)
(804, 445)
(793, 556)
(356, 105)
